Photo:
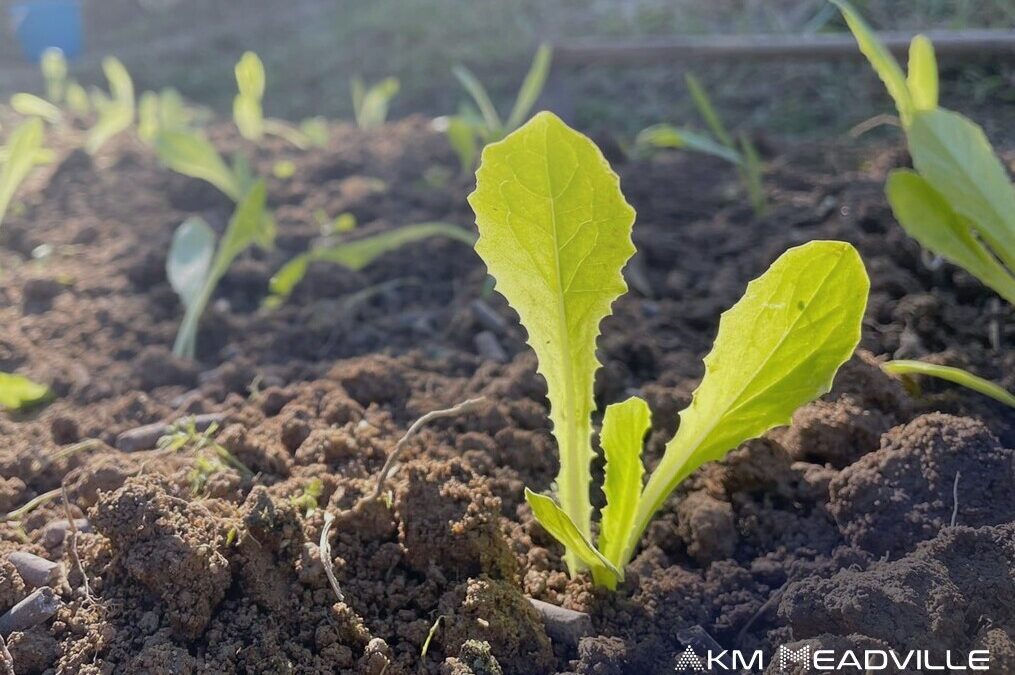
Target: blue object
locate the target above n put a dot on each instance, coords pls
(41, 24)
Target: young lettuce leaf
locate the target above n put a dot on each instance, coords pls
(922, 80)
(555, 232)
(358, 253)
(951, 374)
(22, 154)
(17, 392)
(370, 105)
(777, 348)
(117, 113)
(195, 267)
(189, 153)
(31, 105)
(247, 111)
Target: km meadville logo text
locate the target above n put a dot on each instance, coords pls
(830, 660)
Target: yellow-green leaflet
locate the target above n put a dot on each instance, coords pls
(250, 75)
(955, 157)
(555, 233)
(951, 374)
(22, 152)
(17, 391)
(556, 522)
(31, 105)
(117, 113)
(707, 111)
(188, 153)
(777, 348)
(668, 136)
(624, 428)
(247, 113)
(928, 218)
(922, 79)
(884, 64)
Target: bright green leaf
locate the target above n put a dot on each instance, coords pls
(953, 154)
(23, 148)
(555, 521)
(189, 153)
(17, 391)
(77, 99)
(555, 232)
(884, 64)
(624, 428)
(247, 227)
(531, 87)
(777, 348)
(922, 80)
(951, 374)
(248, 119)
(121, 88)
(31, 105)
(116, 112)
(926, 216)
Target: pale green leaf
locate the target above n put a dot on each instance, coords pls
(777, 348)
(23, 148)
(707, 111)
(248, 117)
(562, 528)
(121, 87)
(752, 171)
(531, 87)
(31, 105)
(77, 99)
(494, 126)
(555, 232)
(462, 137)
(54, 72)
(113, 119)
(190, 258)
(17, 391)
(371, 105)
(248, 226)
(922, 79)
(953, 154)
(250, 76)
(359, 253)
(190, 154)
(667, 136)
(315, 130)
(286, 132)
(624, 428)
(926, 216)
(951, 374)
(884, 64)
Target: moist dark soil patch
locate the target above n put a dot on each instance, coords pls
(905, 502)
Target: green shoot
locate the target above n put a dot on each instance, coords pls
(54, 72)
(161, 111)
(18, 392)
(958, 376)
(211, 457)
(357, 254)
(31, 105)
(720, 143)
(116, 112)
(370, 105)
(21, 155)
(247, 112)
(196, 265)
(306, 502)
(315, 131)
(468, 133)
(555, 232)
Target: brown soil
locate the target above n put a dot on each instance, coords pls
(772, 545)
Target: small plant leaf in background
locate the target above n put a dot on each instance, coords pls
(315, 130)
(494, 126)
(54, 73)
(951, 374)
(707, 111)
(624, 428)
(462, 137)
(370, 105)
(777, 348)
(189, 153)
(358, 253)
(190, 258)
(22, 154)
(953, 154)
(922, 79)
(677, 138)
(247, 112)
(17, 392)
(927, 217)
(31, 105)
(555, 232)
(532, 87)
(116, 112)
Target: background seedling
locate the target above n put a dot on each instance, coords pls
(23, 151)
(358, 253)
(116, 111)
(469, 131)
(555, 232)
(370, 104)
(195, 264)
(248, 111)
(190, 153)
(958, 202)
(740, 152)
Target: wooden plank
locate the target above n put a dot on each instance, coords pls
(960, 43)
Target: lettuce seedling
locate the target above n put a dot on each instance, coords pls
(469, 132)
(958, 202)
(161, 111)
(741, 152)
(370, 104)
(23, 151)
(196, 265)
(555, 233)
(358, 253)
(116, 111)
